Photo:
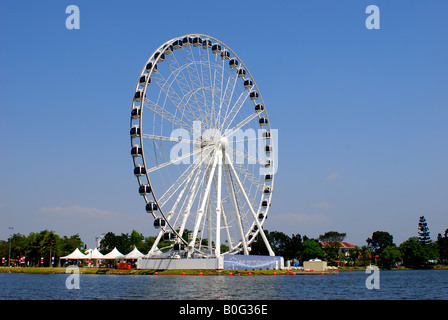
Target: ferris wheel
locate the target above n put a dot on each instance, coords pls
(202, 149)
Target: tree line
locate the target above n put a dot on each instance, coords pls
(416, 252)
(37, 249)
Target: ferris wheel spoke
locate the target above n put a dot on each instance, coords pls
(208, 119)
(191, 196)
(229, 132)
(228, 94)
(197, 84)
(249, 139)
(173, 96)
(197, 167)
(178, 200)
(176, 160)
(163, 138)
(221, 87)
(193, 193)
(207, 84)
(250, 159)
(206, 81)
(232, 113)
(183, 84)
(183, 179)
(151, 105)
(250, 177)
(215, 71)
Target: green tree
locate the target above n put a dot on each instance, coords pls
(379, 241)
(293, 247)
(69, 244)
(35, 248)
(311, 250)
(49, 241)
(136, 238)
(277, 241)
(332, 237)
(18, 247)
(108, 243)
(443, 247)
(412, 253)
(423, 231)
(146, 244)
(365, 256)
(353, 256)
(332, 240)
(389, 256)
(4, 250)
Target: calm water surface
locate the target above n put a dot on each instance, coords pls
(414, 285)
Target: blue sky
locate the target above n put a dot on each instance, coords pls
(362, 114)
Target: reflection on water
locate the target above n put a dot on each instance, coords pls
(415, 284)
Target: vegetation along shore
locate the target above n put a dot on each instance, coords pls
(419, 251)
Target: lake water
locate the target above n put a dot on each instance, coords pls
(347, 285)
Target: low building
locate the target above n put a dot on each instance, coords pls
(315, 265)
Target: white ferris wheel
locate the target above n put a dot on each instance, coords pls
(202, 149)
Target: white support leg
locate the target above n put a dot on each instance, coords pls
(218, 207)
(224, 220)
(266, 242)
(237, 211)
(202, 207)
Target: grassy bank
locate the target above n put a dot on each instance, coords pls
(154, 272)
(182, 272)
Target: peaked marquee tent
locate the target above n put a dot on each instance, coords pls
(114, 254)
(94, 254)
(76, 255)
(134, 254)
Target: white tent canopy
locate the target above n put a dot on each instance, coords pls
(75, 255)
(94, 254)
(114, 254)
(134, 254)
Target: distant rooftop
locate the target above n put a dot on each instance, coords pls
(340, 244)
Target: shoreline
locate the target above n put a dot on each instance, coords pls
(180, 272)
(167, 272)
